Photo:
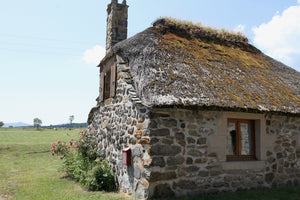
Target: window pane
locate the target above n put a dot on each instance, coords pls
(246, 140)
(231, 139)
(107, 85)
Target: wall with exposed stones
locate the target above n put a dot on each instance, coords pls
(185, 160)
(123, 122)
(283, 159)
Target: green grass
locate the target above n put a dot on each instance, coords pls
(36, 175)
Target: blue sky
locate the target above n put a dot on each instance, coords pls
(50, 49)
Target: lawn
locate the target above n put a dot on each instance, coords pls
(27, 175)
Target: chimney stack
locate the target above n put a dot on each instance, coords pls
(116, 28)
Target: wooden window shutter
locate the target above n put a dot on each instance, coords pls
(101, 90)
(113, 80)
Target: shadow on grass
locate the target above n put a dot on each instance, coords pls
(65, 176)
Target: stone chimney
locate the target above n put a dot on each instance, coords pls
(116, 28)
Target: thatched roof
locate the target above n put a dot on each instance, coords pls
(180, 65)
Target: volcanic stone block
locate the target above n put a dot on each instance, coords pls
(160, 132)
(158, 161)
(165, 150)
(157, 176)
(175, 160)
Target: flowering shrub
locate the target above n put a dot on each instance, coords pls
(83, 162)
(61, 148)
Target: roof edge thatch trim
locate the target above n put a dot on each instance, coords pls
(199, 31)
(227, 109)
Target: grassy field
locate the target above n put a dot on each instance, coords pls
(32, 176)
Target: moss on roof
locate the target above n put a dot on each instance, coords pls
(197, 30)
(171, 65)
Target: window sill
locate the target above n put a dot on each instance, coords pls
(241, 165)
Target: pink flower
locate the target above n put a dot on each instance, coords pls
(61, 158)
(69, 147)
(58, 142)
(81, 131)
(53, 145)
(52, 153)
(71, 143)
(55, 150)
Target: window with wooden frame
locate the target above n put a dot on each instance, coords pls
(240, 140)
(108, 82)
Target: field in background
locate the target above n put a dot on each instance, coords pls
(35, 176)
(31, 176)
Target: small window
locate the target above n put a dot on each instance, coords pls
(107, 85)
(240, 140)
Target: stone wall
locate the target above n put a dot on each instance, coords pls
(184, 161)
(283, 159)
(181, 162)
(123, 122)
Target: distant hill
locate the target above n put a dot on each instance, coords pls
(74, 125)
(17, 124)
(21, 124)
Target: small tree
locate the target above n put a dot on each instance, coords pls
(1, 124)
(37, 123)
(71, 118)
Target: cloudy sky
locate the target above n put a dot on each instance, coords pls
(50, 49)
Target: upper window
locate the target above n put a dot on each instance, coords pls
(108, 82)
(240, 140)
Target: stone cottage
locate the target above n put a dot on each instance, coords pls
(200, 110)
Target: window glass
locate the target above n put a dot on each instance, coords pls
(246, 140)
(231, 139)
(107, 85)
(240, 140)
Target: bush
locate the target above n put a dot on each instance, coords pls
(100, 174)
(84, 163)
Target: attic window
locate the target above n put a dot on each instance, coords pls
(108, 82)
(240, 140)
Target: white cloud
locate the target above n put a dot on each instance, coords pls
(240, 28)
(280, 37)
(94, 55)
(299, 1)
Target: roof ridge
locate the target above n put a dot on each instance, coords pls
(199, 31)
